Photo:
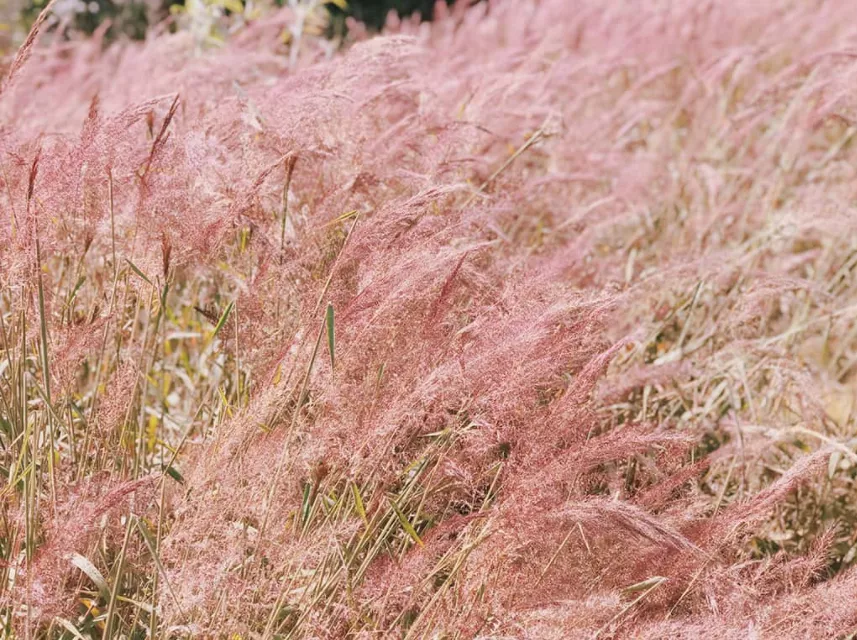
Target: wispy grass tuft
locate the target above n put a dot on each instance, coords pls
(585, 276)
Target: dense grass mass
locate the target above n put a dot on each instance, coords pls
(534, 322)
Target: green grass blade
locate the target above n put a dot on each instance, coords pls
(358, 503)
(406, 525)
(175, 474)
(77, 287)
(306, 503)
(223, 318)
(331, 339)
(137, 270)
(153, 549)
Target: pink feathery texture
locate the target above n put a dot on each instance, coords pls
(591, 269)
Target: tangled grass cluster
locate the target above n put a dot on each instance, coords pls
(534, 322)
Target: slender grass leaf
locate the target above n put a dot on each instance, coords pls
(143, 528)
(341, 218)
(305, 503)
(358, 503)
(137, 270)
(223, 317)
(143, 606)
(406, 525)
(76, 289)
(331, 339)
(166, 290)
(645, 584)
(68, 626)
(174, 474)
(94, 574)
(833, 463)
(345, 216)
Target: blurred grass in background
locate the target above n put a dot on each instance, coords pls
(131, 18)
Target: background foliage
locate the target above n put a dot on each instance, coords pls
(132, 17)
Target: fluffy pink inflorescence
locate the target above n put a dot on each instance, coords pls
(530, 182)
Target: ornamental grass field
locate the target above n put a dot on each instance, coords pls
(536, 321)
